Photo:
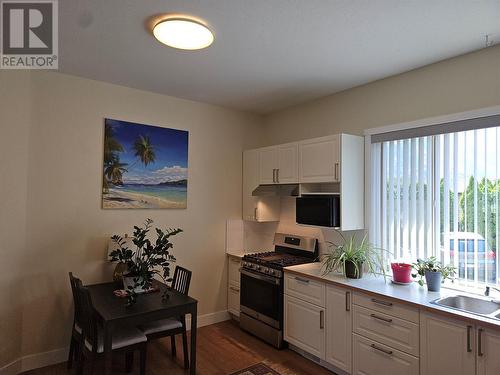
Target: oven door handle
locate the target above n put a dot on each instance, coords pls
(267, 279)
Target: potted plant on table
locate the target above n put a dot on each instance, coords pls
(149, 258)
(351, 257)
(434, 273)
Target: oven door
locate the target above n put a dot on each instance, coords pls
(261, 297)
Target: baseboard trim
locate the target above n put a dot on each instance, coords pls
(34, 361)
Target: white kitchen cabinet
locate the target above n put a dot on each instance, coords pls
(259, 209)
(268, 164)
(279, 164)
(373, 358)
(447, 346)
(288, 164)
(488, 351)
(338, 327)
(319, 159)
(233, 288)
(305, 326)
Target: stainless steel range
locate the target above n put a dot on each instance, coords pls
(261, 290)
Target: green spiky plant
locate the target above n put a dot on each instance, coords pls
(149, 258)
(362, 254)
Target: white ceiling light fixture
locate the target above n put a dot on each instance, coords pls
(183, 32)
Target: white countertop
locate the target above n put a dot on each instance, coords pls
(413, 294)
(235, 253)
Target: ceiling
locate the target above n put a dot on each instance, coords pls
(269, 54)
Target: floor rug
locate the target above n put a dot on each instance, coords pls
(258, 369)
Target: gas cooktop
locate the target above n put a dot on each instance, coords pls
(276, 259)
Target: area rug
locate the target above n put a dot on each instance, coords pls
(258, 369)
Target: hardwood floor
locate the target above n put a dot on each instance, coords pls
(222, 349)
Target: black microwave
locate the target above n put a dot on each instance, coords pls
(319, 210)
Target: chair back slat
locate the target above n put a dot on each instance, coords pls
(181, 280)
(89, 322)
(75, 283)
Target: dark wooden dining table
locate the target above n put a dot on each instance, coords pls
(111, 311)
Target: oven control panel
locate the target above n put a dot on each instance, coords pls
(262, 269)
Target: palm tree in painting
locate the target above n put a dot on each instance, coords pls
(144, 150)
(111, 145)
(114, 172)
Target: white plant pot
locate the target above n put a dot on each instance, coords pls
(128, 281)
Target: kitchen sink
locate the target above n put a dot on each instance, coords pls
(479, 306)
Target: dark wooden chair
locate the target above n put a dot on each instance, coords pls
(172, 326)
(124, 339)
(76, 330)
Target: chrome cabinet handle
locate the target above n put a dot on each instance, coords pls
(336, 171)
(374, 300)
(480, 342)
(381, 318)
(234, 289)
(274, 175)
(300, 279)
(469, 329)
(347, 301)
(388, 352)
(278, 175)
(255, 214)
(321, 319)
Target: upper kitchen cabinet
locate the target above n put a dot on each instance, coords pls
(279, 164)
(259, 209)
(319, 159)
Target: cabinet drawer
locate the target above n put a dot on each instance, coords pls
(372, 358)
(387, 306)
(234, 270)
(233, 298)
(397, 333)
(305, 289)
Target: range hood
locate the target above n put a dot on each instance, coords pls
(285, 190)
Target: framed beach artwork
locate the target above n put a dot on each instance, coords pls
(144, 166)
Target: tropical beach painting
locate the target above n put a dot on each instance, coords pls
(144, 166)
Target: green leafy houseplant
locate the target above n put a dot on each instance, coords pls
(350, 257)
(431, 264)
(149, 258)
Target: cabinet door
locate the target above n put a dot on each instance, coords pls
(338, 327)
(288, 167)
(259, 209)
(268, 164)
(488, 350)
(319, 159)
(233, 298)
(446, 346)
(304, 326)
(373, 358)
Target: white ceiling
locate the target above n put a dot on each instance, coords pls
(269, 54)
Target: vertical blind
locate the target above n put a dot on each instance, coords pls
(438, 195)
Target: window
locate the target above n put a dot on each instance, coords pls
(438, 195)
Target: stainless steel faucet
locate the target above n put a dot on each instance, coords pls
(487, 291)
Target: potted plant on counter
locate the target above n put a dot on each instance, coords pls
(350, 257)
(149, 258)
(434, 273)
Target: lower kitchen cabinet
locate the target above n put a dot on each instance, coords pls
(233, 299)
(447, 346)
(488, 352)
(372, 358)
(338, 327)
(304, 326)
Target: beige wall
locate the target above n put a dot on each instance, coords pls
(14, 143)
(68, 230)
(464, 83)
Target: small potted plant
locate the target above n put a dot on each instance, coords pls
(149, 258)
(434, 273)
(351, 257)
